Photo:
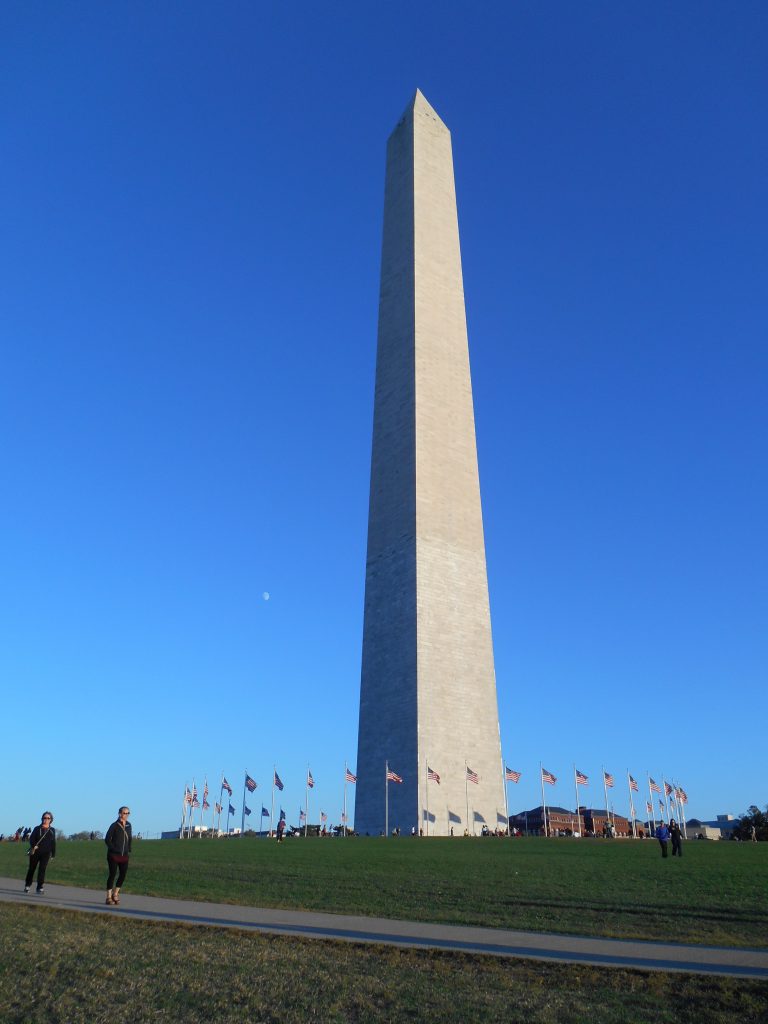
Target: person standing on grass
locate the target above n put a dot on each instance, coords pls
(118, 840)
(677, 839)
(42, 848)
(662, 834)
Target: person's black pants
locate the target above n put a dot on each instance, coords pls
(121, 870)
(663, 845)
(39, 862)
(677, 848)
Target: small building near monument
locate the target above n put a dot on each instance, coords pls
(563, 821)
(596, 820)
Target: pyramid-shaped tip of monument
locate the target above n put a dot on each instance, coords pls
(421, 104)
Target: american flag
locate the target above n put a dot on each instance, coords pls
(510, 775)
(310, 780)
(683, 795)
(282, 815)
(608, 779)
(226, 785)
(231, 809)
(246, 810)
(195, 801)
(205, 791)
(264, 811)
(581, 778)
(206, 805)
(323, 816)
(655, 787)
(667, 789)
(348, 776)
(250, 783)
(548, 777)
(649, 806)
(661, 805)
(393, 776)
(343, 817)
(472, 776)
(194, 794)
(433, 775)
(278, 783)
(187, 795)
(218, 808)
(302, 815)
(633, 785)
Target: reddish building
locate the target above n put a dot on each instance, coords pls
(595, 821)
(561, 820)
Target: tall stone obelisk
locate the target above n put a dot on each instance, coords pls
(428, 688)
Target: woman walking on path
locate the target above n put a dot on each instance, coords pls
(42, 847)
(118, 840)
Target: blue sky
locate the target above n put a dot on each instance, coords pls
(191, 204)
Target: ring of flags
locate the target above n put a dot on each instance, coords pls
(675, 793)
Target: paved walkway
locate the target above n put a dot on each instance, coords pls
(650, 956)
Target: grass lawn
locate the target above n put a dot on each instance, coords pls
(715, 895)
(59, 967)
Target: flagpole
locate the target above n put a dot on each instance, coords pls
(306, 803)
(466, 792)
(543, 799)
(386, 799)
(242, 813)
(682, 814)
(605, 791)
(191, 810)
(576, 787)
(272, 813)
(631, 806)
(675, 807)
(229, 804)
(426, 793)
(183, 813)
(650, 797)
(506, 801)
(344, 822)
(666, 798)
(221, 805)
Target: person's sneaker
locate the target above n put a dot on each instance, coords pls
(40, 892)
(26, 888)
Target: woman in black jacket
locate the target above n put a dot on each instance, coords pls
(42, 846)
(118, 840)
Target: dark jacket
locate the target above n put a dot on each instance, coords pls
(118, 839)
(44, 840)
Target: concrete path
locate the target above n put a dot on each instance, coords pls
(650, 956)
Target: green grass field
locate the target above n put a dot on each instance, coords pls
(66, 968)
(715, 895)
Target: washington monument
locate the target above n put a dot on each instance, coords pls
(428, 688)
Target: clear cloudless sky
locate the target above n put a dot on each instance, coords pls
(191, 203)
